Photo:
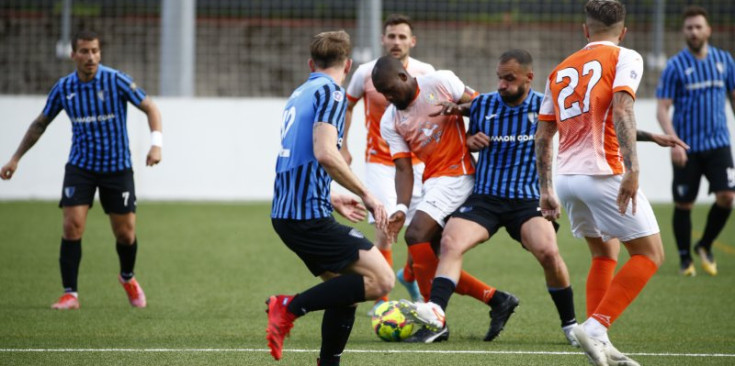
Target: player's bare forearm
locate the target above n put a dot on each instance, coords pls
(404, 180)
(625, 129)
(153, 113)
(662, 115)
(544, 154)
(34, 132)
(329, 157)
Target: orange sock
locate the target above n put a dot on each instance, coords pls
(424, 266)
(408, 274)
(598, 281)
(469, 285)
(626, 285)
(388, 255)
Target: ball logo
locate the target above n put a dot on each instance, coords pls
(337, 96)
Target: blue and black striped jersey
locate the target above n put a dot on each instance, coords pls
(699, 91)
(302, 186)
(98, 113)
(507, 168)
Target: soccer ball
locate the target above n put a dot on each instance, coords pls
(390, 324)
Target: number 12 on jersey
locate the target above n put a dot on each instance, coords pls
(592, 67)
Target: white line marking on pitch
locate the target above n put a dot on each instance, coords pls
(143, 350)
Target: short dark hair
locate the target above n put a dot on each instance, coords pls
(330, 48)
(605, 13)
(385, 68)
(84, 35)
(523, 57)
(395, 19)
(693, 11)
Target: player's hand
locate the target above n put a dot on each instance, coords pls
(550, 207)
(154, 156)
(8, 169)
(349, 207)
(678, 156)
(478, 141)
(346, 154)
(668, 141)
(447, 108)
(627, 192)
(395, 224)
(378, 211)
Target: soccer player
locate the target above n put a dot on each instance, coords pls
(413, 124)
(397, 40)
(95, 98)
(506, 192)
(352, 269)
(589, 99)
(696, 81)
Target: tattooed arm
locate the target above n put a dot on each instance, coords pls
(625, 129)
(36, 129)
(548, 202)
(661, 140)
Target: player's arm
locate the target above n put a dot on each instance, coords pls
(329, 157)
(660, 139)
(345, 151)
(156, 126)
(34, 132)
(663, 105)
(625, 129)
(544, 150)
(404, 191)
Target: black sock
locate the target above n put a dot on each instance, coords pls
(340, 291)
(126, 254)
(683, 233)
(442, 289)
(336, 328)
(70, 255)
(716, 220)
(498, 298)
(564, 301)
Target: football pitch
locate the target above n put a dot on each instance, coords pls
(208, 267)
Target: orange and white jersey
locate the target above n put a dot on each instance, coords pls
(361, 85)
(578, 98)
(438, 141)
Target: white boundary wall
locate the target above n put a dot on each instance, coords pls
(223, 149)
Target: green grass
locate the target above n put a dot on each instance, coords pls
(207, 268)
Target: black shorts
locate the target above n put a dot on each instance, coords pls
(322, 244)
(117, 190)
(716, 165)
(493, 212)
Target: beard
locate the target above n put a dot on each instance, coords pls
(695, 45)
(512, 98)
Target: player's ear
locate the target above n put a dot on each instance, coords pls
(348, 66)
(312, 65)
(586, 31)
(622, 34)
(413, 42)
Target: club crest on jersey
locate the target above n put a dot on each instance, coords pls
(532, 117)
(132, 86)
(337, 96)
(69, 191)
(101, 95)
(720, 67)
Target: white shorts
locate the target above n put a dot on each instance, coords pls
(443, 195)
(591, 204)
(380, 179)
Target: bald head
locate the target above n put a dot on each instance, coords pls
(393, 81)
(605, 17)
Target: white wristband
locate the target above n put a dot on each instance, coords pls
(401, 207)
(156, 138)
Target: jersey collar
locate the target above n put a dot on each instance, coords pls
(315, 75)
(600, 43)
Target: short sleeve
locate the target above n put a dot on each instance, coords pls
(455, 86)
(398, 146)
(53, 102)
(628, 72)
(330, 105)
(546, 110)
(356, 87)
(667, 84)
(129, 90)
(474, 115)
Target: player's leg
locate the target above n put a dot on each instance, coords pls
(602, 269)
(76, 198)
(118, 199)
(539, 237)
(721, 176)
(684, 189)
